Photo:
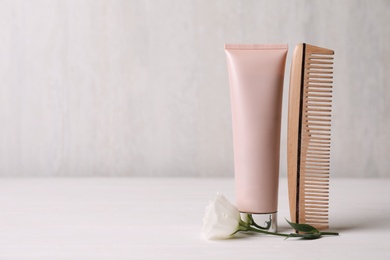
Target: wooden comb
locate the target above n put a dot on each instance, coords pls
(309, 121)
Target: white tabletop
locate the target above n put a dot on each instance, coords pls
(133, 218)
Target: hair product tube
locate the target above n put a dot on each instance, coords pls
(256, 74)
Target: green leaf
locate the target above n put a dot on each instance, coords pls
(306, 228)
(306, 235)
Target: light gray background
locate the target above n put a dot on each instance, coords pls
(140, 88)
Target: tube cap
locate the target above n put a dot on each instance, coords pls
(266, 221)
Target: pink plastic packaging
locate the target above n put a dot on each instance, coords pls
(256, 74)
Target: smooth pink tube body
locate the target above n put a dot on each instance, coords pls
(256, 74)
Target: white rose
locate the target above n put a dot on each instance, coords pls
(222, 219)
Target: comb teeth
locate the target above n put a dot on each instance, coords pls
(315, 137)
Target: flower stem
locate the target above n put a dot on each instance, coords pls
(266, 232)
(304, 235)
(329, 233)
(309, 232)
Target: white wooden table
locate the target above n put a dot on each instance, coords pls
(133, 218)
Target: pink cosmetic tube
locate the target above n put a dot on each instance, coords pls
(256, 74)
